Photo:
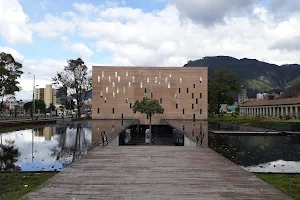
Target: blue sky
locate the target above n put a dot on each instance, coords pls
(43, 34)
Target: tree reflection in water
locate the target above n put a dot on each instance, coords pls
(67, 152)
(8, 157)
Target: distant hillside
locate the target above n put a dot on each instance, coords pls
(255, 75)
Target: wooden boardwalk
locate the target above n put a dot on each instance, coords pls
(156, 172)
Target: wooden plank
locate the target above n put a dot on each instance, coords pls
(155, 172)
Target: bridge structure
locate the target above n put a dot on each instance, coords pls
(111, 171)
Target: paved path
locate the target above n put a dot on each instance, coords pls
(155, 172)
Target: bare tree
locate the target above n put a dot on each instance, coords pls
(292, 91)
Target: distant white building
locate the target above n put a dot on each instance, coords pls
(261, 96)
(242, 97)
(14, 103)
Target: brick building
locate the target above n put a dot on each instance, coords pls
(182, 91)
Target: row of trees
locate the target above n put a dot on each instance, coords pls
(74, 80)
(40, 105)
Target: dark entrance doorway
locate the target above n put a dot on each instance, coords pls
(161, 135)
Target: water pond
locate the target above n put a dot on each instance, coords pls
(257, 152)
(52, 148)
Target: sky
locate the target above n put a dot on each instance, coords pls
(44, 34)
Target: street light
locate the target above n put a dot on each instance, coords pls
(33, 103)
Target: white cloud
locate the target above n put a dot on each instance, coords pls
(14, 27)
(130, 51)
(283, 9)
(53, 26)
(122, 13)
(162, 38)
(44, 71)
(166, 38)
(44, 4)
(78, 48)
(85, 7)
(209, 12)
(88, 8)
(121, 61)
(17, 56)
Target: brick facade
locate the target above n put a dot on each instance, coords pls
(182, 91)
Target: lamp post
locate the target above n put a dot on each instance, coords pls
(33, 102)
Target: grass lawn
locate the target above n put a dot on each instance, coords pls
(281, 120)
(288, 184)
(16, 185)
(229, 117)
(267, 123)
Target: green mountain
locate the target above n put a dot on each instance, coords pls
(255, 76)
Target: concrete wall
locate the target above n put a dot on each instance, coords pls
(109, 126)
(198, 130)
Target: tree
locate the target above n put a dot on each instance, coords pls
(62, 94)
(27, 106)
(237, 110)
(77, 80)
(70, 105)
(10, 71)
(39, 105)
(148, 107)
(51, 107)
(221, 86)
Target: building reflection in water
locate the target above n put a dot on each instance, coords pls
(46, 132)
(197, 130)
(109, 127)
(50, 148)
